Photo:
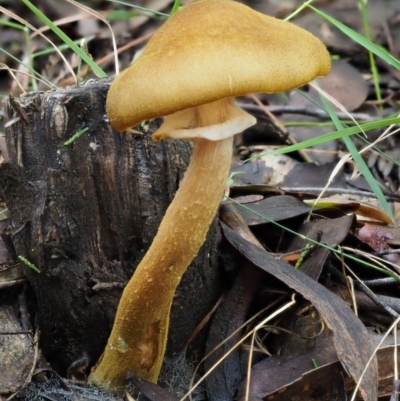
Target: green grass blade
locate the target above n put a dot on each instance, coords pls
(298, 10)
(361, 40)
(50, 50)
(31, 70)
(331, 136)
(374, 70)
(124, 3)
(366, 172)
(11, 24)
(175, 7)
(65, 39)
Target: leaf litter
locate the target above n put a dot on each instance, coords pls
(342, 349)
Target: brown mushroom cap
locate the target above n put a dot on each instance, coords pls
(213, 49)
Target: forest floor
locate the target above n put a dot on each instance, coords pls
(317, 185)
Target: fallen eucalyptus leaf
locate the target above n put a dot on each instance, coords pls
(351, 339)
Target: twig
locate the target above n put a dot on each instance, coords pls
(110, 56)
(309, 111)
(387, 252)
(276, 121)
(376, 299)
(381, 282)
(12, 283)
(391, 197)
(9, 333)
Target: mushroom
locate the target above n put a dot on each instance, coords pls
(190, 71)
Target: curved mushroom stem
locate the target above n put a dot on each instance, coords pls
(138, 339)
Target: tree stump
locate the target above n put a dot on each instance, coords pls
(86, 213)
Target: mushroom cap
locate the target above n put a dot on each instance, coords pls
(210, 50)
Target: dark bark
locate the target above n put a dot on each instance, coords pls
(85, 214)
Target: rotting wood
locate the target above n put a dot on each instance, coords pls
(85, 215)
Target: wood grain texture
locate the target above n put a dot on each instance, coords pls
(85, 214)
